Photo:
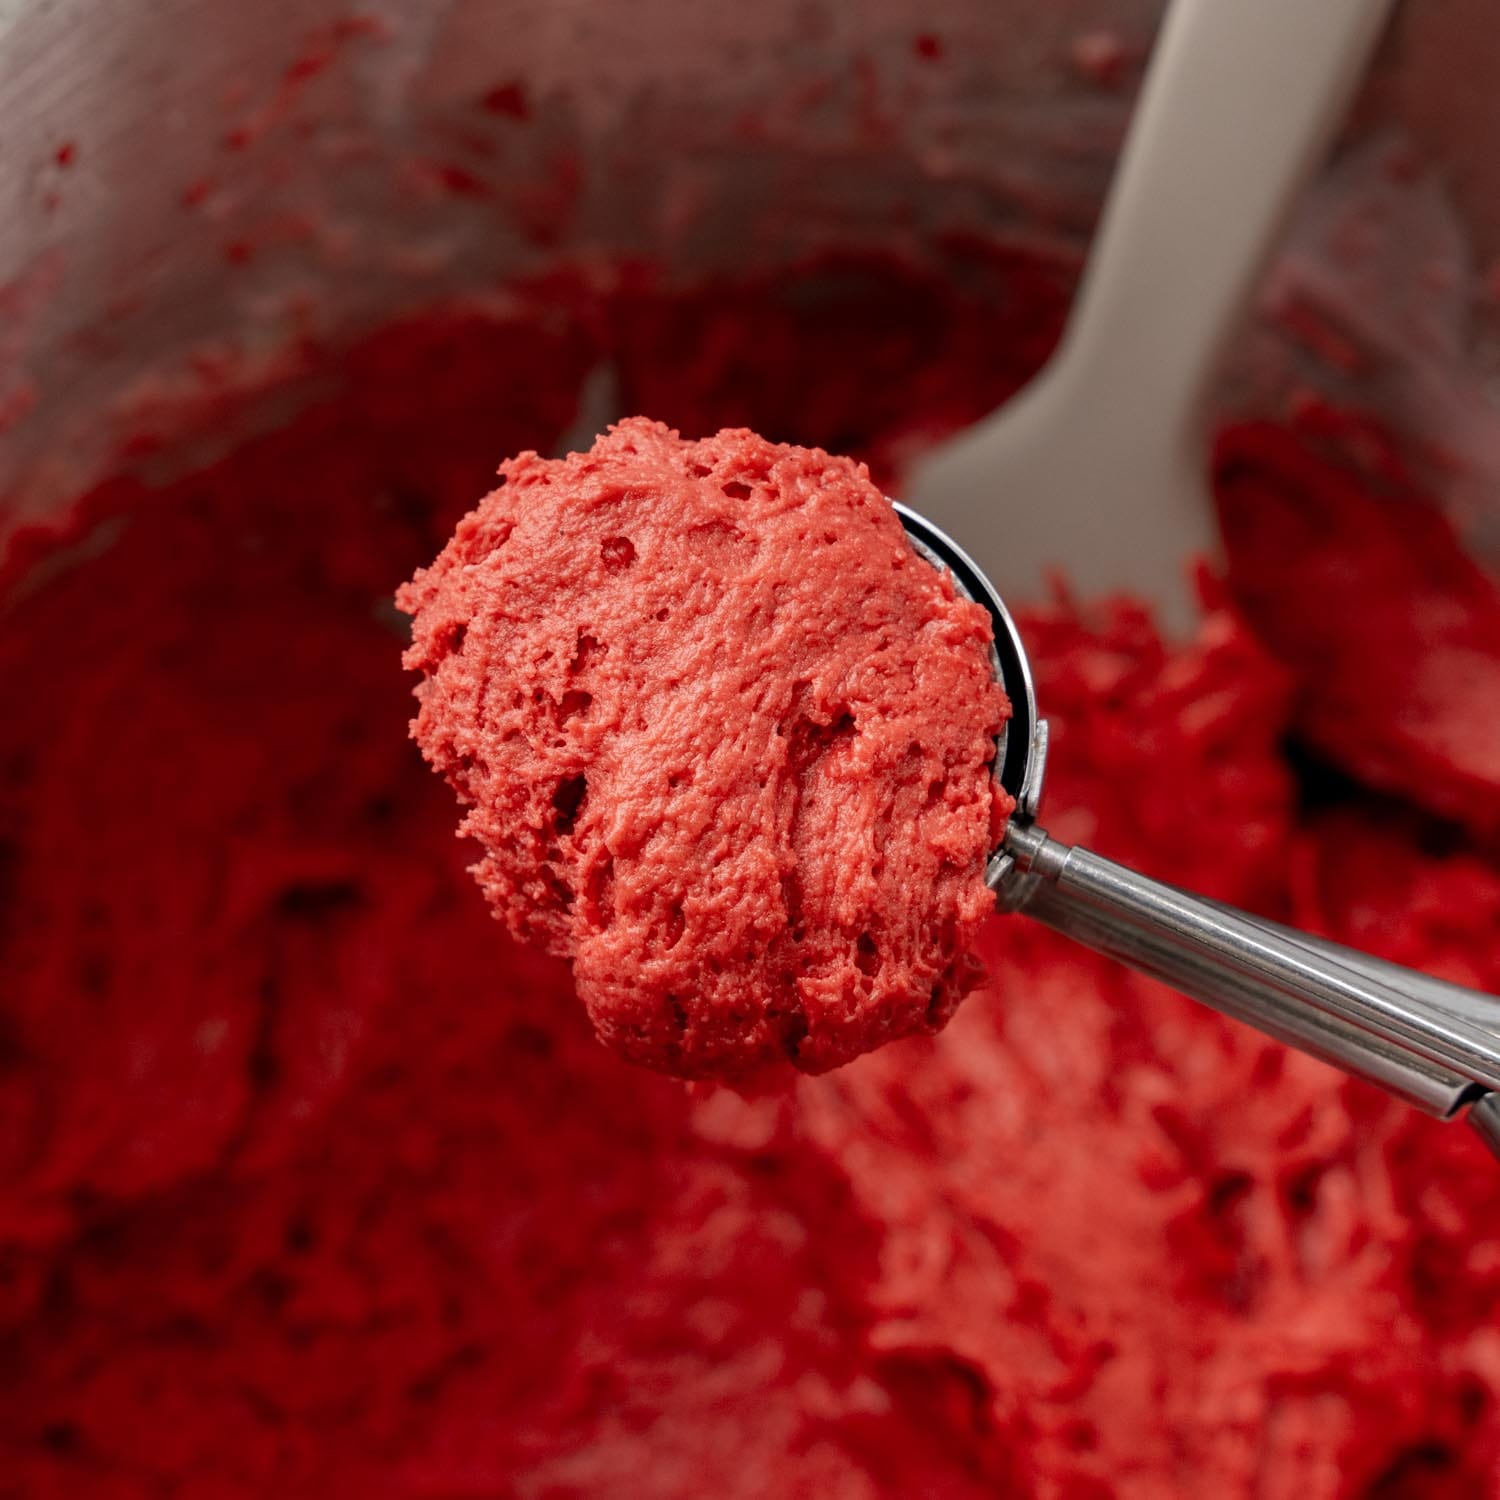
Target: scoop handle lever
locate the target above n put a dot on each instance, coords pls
(1434, 1044)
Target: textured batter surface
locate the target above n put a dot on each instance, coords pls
(285, 1212)
(725, 742)
(1358, 582)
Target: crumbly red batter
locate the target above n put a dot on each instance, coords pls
(1359, 583)
(725, 741)
(314, 1183)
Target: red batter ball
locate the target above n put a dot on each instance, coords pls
(726, 742)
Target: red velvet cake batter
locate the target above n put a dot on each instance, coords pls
(1358, 582)
(314, 1183)
(725, 741)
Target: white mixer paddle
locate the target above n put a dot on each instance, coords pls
(1099, 466)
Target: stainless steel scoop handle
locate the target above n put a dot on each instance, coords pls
(1433, 1044)
(1437, 1045)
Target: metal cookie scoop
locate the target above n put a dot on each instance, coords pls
(1436, 1045)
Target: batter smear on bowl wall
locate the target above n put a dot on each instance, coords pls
(726, 742)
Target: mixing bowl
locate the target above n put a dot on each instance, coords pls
(311, 1182)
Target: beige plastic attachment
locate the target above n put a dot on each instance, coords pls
(1099, 466)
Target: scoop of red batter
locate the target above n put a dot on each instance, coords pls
(725, 741)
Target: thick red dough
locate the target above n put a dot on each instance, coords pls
(1359, 584)
(725, 741)
(373, 1238)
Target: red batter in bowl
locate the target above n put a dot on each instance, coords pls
(315, 1183)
